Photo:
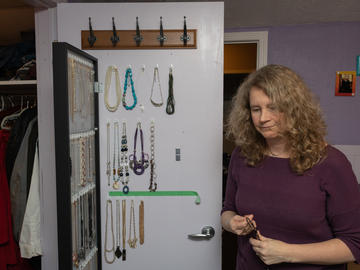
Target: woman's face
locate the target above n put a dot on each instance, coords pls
(265, 116)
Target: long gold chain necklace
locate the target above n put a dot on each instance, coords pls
(106, 249)
(132, 241)
(108, 75)
(141, 223)
(75, 241)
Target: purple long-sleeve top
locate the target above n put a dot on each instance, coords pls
(321, 204)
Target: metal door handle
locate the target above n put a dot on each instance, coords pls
(206, 233)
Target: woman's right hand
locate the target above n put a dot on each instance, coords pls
(239, 225)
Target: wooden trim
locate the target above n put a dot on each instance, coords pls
(127, 42)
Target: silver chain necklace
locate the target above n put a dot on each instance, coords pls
(156, 77)
(108, 169)
(106, 249)
(153, 183)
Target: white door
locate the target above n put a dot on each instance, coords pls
(195, 128)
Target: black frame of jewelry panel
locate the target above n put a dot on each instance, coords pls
(62, 153)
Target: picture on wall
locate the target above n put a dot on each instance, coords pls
(345, 83)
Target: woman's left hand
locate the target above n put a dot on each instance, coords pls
(270, 251)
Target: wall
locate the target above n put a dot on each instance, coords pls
(316, 52)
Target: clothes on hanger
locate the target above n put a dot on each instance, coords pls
(16, 136)
(29, 243)
(18, 183)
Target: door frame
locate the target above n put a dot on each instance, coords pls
(258, 37)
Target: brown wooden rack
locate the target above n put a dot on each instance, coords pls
(149, 40)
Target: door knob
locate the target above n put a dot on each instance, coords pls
(206, 233)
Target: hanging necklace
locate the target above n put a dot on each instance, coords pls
(141, 222)
(75, 244)
(153, 183)
(123, 205)
(82, 162)
(139, 166)
(156, 78)
(132, 241)
(81, 253)
(106, 250)
(116, 149)
(124, 164)
(108, 169)
(170, 105)
(129, 83)
(118, 251)
(109, 72)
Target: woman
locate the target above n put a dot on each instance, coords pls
(299, 192)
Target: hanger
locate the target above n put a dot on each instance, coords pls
(13, 116)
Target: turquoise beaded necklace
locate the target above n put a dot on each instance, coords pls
(129, 74)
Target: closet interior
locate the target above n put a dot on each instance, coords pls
(20, 245)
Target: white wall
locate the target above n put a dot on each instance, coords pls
(352, 153)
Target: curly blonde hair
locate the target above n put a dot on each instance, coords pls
(304, 130)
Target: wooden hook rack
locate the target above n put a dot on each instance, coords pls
(149, 41)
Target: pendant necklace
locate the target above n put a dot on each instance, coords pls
(124, 162)
(170, 105)
(141, 222)
(116, 149)
(123, 206)
(129, 82)
(106, 250)
(108, 169)
(108, 75)
(118, 251)
(156, 78)
(132, 241)
(153, 183)
(139, 166)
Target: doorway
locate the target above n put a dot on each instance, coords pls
(243, 53)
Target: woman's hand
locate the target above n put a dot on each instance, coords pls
(270, 251)
(239, 225)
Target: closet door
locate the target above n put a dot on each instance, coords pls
(76, 147)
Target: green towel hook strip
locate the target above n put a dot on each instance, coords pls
(157, 193)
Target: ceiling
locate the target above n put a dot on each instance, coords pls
(253, 13)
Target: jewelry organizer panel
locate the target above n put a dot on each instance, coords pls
(76, 147)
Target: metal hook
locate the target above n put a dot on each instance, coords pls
(161, 38)
(92, 37)
(185, 37)
(138, 38)
(115, 38)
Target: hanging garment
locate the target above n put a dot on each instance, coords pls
(29, 243)
(16, 136)
(7, 243)
(18, 183)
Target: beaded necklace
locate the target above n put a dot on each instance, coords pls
(108, 164)
(124, 162)
(109, 72)
(170, 105)
(130, 82)
(139, 166)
